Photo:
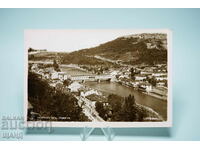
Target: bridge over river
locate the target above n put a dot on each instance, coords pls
(105, 77)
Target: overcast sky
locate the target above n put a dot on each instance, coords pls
(71, 40)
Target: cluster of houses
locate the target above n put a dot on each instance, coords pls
(148, 79)
(56, 80)
(49, 72)
(153, 40)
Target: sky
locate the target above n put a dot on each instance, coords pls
(71, 40)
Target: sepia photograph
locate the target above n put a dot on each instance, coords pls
(98, 77)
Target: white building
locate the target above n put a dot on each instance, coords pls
(140, 77)
(90, 92)
(134, 84)
(34, 67)
(54, 75)
(160, 84)
(75, 86)
(146, 86)
(46, 75)
(59, 75)
(62, 76)
(161, 78)
(151, 46)
(157, 74)
(114, 73)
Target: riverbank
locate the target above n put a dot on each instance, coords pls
(155, 95)
(152, 115)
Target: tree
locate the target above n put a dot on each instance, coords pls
(31, 57)
(56, 66)
(166, 83)
(67, 82)
(124, 109)
(128, 112)
(60, 87)
(100, 109)
(152, 81)
(115, 102)
(30, 49)
(132, 70)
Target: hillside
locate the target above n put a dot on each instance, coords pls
(132, 49)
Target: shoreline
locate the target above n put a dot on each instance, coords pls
(150, 94)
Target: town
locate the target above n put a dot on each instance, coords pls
(125, 79)
(149, 80)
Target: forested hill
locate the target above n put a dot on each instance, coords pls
(138, 48)
(145, 48)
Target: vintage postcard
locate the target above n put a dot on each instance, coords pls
(98, 78)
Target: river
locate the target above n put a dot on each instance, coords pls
(156, 104)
